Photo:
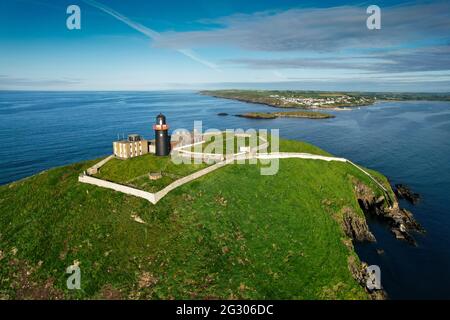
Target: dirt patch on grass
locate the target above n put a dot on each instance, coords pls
(25, 285)
(108, 292)
(147, 280)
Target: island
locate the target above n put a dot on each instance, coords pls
(229, 234)
(291, 114)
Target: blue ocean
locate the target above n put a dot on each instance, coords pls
(409, 142)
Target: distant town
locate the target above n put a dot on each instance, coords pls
(322, 102)
(319, 99)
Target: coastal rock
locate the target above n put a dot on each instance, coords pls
(357, 269)
(356, 226)
(401, 221)
(359, 273)
(367, 199)
(404, 192)
(398, 234)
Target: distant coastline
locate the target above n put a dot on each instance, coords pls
(320, 100)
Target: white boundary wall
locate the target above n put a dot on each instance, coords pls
(155, 197)
(117, 187)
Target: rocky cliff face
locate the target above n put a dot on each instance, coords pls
(359, 273)
(401, 221)
(356, 226)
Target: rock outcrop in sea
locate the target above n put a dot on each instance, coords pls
(404, 192)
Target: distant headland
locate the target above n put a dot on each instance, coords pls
(319, 100)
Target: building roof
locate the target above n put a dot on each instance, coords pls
(127, 141)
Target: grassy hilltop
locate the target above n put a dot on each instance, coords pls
(231, 234)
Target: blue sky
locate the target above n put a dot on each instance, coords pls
(153, 45)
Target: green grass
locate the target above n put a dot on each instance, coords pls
(304, 114)
(134, 172)
(230, 144)
(231, 234)
(290, 114)
(258, 115)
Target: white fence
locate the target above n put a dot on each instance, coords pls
(155, 197)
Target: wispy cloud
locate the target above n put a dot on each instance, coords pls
(152, 34)
(297, 63)
(7, 81)
(413, 38)
(323, 30)
(396, 61)
(334, 84)
(189, 53)
(416, 60)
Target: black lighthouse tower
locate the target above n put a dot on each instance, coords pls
(162, 143)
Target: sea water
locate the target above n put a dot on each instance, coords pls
(409, 142)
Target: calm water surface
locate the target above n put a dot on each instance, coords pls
(409, 142)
